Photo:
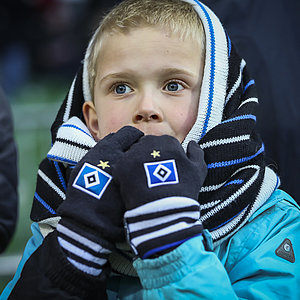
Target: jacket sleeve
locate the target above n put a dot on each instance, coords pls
(244, 267)
(8, 175)
(47, 274)
(188, 272)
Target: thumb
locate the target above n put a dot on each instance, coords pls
(126, 137)
(194, 152)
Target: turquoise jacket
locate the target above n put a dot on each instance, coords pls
(260, 261)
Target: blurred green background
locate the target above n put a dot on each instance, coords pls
(34, 109)
(42, 45)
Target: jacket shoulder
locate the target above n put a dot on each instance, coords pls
(279, 200)
(273, 223)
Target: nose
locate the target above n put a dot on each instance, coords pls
(147, 110)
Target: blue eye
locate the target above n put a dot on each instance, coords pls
(122, 89)
(174, 86)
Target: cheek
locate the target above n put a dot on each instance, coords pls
(110, 122)
(184, 119)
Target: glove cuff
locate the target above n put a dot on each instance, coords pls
(85, 254)
(161, 246)
(163, 224)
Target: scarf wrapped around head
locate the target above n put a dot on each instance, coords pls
(238, 181)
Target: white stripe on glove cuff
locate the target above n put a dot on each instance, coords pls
(83, 253)
(161, 224)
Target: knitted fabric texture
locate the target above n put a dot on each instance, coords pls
(238, 181)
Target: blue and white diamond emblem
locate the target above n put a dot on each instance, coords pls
(92, 180)
(161, 172)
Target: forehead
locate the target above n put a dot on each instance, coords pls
(148, 47)
(149, 30)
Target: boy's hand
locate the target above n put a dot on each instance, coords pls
(92, 214)
(159, 184)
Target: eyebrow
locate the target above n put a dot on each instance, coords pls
(115, 75)
(177, 71)
(163, 72)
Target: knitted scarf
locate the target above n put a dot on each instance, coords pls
(238, 181)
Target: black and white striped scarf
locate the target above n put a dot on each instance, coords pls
(238, 181)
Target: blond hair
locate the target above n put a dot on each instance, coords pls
(175, 16)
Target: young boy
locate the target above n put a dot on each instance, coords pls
(159, 79)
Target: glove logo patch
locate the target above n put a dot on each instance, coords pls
(92, 180)
(161, 172)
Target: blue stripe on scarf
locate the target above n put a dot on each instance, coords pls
(236, 181)
(47, 206)
(242, 117)
(76, 127)
(54, 157)
(60, 176)
(229, 45)
(234, 161)
(212, 67)
(227, 221)
(251, 82)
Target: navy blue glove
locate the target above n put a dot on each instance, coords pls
(92, 214)
(159, 184)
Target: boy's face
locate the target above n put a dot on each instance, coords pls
(146, 79)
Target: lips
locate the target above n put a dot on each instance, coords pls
(154, 129)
